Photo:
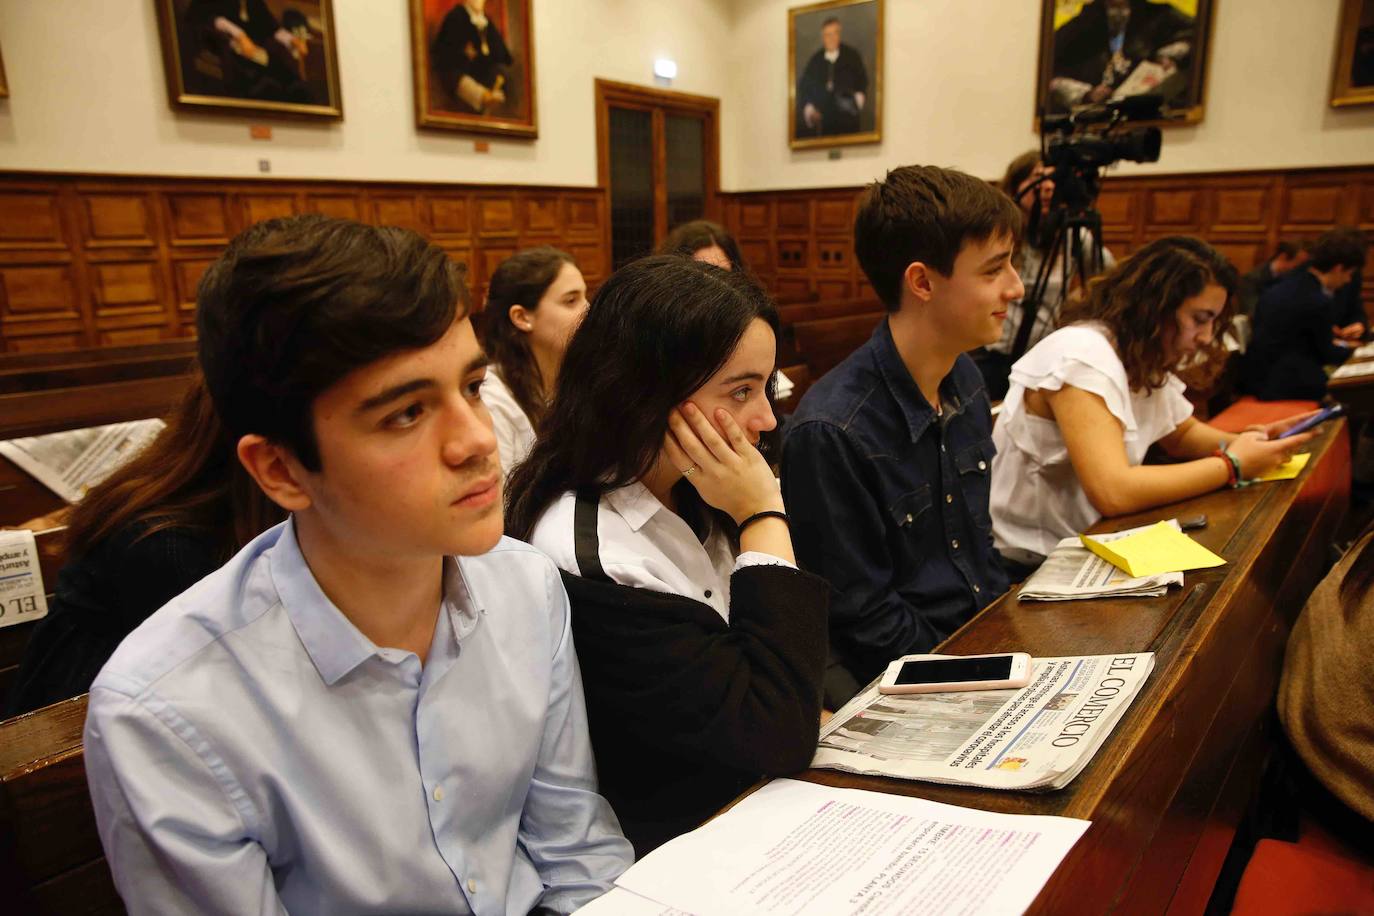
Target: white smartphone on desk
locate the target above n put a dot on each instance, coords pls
(949, 673)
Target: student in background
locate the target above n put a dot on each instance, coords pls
(1091, 398)
(534, 302)
(702, 645)
(887, 462)
(1294, 332)
(703, 240)
(374, 705)
(1286, 257)
(152, 529)
(1026, 183)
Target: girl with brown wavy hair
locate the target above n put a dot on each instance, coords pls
(536, 299)
(1088, 401)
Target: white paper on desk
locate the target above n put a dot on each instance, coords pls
(70, 463)
(1354, 370)
(798, 848)
(1365, 351)
(21, 580)
(620, 902)
(1073, 572)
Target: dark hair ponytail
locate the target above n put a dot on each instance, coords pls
(521, 279)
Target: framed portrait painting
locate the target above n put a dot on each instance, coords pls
(4, 83)
(263, 56)
(1352, 79)
(835, 73)
(1096, 51)
(474, 65)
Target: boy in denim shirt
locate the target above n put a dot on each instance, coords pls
(887, 461)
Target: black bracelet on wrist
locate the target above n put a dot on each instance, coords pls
(768, 513)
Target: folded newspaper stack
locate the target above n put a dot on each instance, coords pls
(1071, 571)
(70, 463)
(1038, 737)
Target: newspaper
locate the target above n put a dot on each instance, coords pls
(21, 579)
(1354, 370)
(1072, 572)
(1365, 351)
(70, 463)
(1038, 737)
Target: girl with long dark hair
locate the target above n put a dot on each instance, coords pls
(702, 646)
(1089, 400)
(535, 300)
(152, 529)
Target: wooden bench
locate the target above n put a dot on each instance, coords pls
(835, 308)
(50, 855)
(101, 372)
(47, 359)
(33, 413)
(825, 342)
(14, 639)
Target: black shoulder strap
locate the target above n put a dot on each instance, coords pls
(586, 542)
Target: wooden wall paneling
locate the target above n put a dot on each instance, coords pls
(584, 214)
(496, 216)
(791, 287)
(399, 209)
(835, 214)
(1244, 255)
(256, 207)
(590, 256)
(343, 205)
(1172, 210)
(541, 215)
(1365, 208)
(187, 269)
(1120, 209)
(39, 306)
(31, 219)
(1241, 206)
(1309, 207)
(118, 220)
(450, 215)
(758, 254)
(199, 217)
(792, 254)
(485, 260)
(755, 218)
(834, 255)
(792, 216)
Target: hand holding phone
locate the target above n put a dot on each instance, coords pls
(950, 673)
(1320, 416)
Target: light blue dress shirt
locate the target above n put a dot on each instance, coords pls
(250, 751)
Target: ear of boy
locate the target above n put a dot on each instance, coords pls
(276, 471)
(916, 282)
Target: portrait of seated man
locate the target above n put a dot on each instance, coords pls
(833, 89)
(1118, 48)
(469, 58)
(244, 49)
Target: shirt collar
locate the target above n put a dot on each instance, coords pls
(334, 644)
(634, 503)
(916, 410)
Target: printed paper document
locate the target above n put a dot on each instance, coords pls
(797, 848)
(70, 463)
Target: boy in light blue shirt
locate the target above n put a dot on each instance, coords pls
(375, 706)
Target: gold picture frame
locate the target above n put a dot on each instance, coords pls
(474, 75)
(1077, 50)
(825, 107)
(274, 57)
(1352, 76)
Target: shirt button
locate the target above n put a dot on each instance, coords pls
(708, 593)
(976, 589)
(949, 497)
(908, 518)
(472, 886)
(438, 793)
(982, 465)
(954, 543)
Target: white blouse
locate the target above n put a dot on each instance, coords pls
(514, 431)
(1036, 497)
(644, 545)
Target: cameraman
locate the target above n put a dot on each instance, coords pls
(1020, 184)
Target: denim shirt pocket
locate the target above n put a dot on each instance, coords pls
(974, 465)
(906, 510)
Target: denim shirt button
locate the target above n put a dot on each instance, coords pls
(907, 520)
(954, 543)
(982, 465)
(949, 497)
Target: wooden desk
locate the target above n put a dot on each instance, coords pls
(1167, 789)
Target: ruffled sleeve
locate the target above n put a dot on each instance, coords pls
(1080, 356)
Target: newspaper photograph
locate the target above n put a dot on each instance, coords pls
(1037, 737)
(70, 463)
(1072, 571)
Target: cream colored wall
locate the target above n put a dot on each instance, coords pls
(87, 93)
(959, 86)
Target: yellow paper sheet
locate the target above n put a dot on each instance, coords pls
(1158, 549)
(1288, 470)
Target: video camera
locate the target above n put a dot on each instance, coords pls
(1078, 144)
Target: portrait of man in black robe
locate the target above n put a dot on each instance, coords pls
(470, 58)
(833, 88)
